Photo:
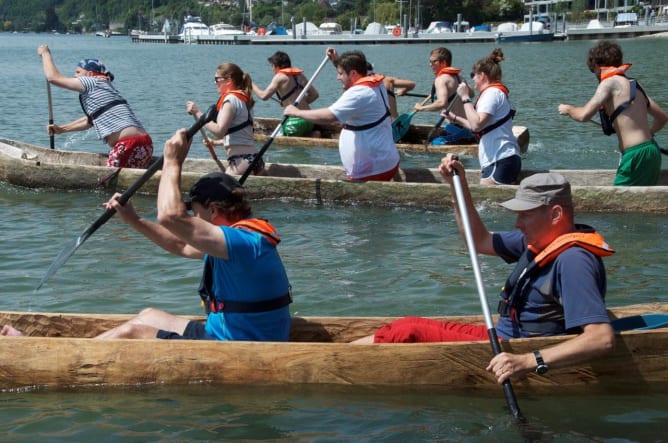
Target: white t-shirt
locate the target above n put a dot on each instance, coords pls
(500, 142)
(371, 151)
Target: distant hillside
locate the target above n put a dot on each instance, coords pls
(77, 16)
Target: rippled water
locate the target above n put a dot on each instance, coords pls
(341, 260)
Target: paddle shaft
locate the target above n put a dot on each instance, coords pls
(273, 135)
(491, 331)
(440, 121)
(209, 146)
(413, 94)
(123, 199)
(52, 140)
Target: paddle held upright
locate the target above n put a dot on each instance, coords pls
(491, 330)
(52, 141)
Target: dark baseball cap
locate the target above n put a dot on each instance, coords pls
(213, 187)
(539, 190)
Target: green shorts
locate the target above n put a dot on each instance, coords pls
(640, 165)
(297, 127)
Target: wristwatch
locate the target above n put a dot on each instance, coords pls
(541, 367)
(468, 100)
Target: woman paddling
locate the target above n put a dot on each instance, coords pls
(491, 120)
(106, 110)
(234, 125)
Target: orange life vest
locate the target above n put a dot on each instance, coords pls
(260, 226)
(514, 291)
(372, 81)
(611, 71)
(241, 95)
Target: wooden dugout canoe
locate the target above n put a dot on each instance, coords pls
(413, 141)
(31, 166)
(60, 353)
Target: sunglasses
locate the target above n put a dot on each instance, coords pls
(219, 79)
(433, 62)
(473, 74)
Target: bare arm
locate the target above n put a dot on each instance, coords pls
(80, 124)
(322, 116)
(596, 339)
(586, 112)
(659, 117)
(441, 99)
(153, 231)
(399, 85)
(272, 87)
(200, 234)
(53, 75)
(482, 237)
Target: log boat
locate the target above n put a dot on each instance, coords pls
(58, 352)
(31, 166)
(414, 140)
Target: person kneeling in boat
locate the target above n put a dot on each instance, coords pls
(557, 287)
(244, 287)
(366, 144)
(491, 120)
(105, 110)
(624, 109)
(287, 84)
(234, 124)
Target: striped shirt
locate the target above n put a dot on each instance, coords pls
(99, 92)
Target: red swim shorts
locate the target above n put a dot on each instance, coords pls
(131, 152)
(426, 330)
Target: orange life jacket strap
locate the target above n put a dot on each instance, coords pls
(260, 226)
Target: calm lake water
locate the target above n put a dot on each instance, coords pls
(341, 260)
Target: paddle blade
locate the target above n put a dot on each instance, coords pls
(60, 260)
(401, 125)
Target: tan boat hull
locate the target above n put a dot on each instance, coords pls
(413, 141)
(319, 353)
(31, 166)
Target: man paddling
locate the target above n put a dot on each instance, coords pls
(557, 287)
(287, 83)
(624, 108)
(444, 91)
(244, 287)
(366, 144)
(105, 110)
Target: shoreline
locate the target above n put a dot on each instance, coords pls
(379, 39)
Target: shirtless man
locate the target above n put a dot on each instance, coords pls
(287, 84)
(624, 108)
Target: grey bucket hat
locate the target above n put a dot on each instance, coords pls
(539, 190)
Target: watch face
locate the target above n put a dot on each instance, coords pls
(541, 369)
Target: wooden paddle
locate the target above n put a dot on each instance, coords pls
(209, 146)
(273, 135)
(67, 252)
(402, 124)
(491, 331)
(440, 121)
(52, 140)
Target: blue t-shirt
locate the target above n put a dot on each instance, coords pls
(578, 283)
(253, 272)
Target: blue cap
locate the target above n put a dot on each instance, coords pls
(95, 65)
